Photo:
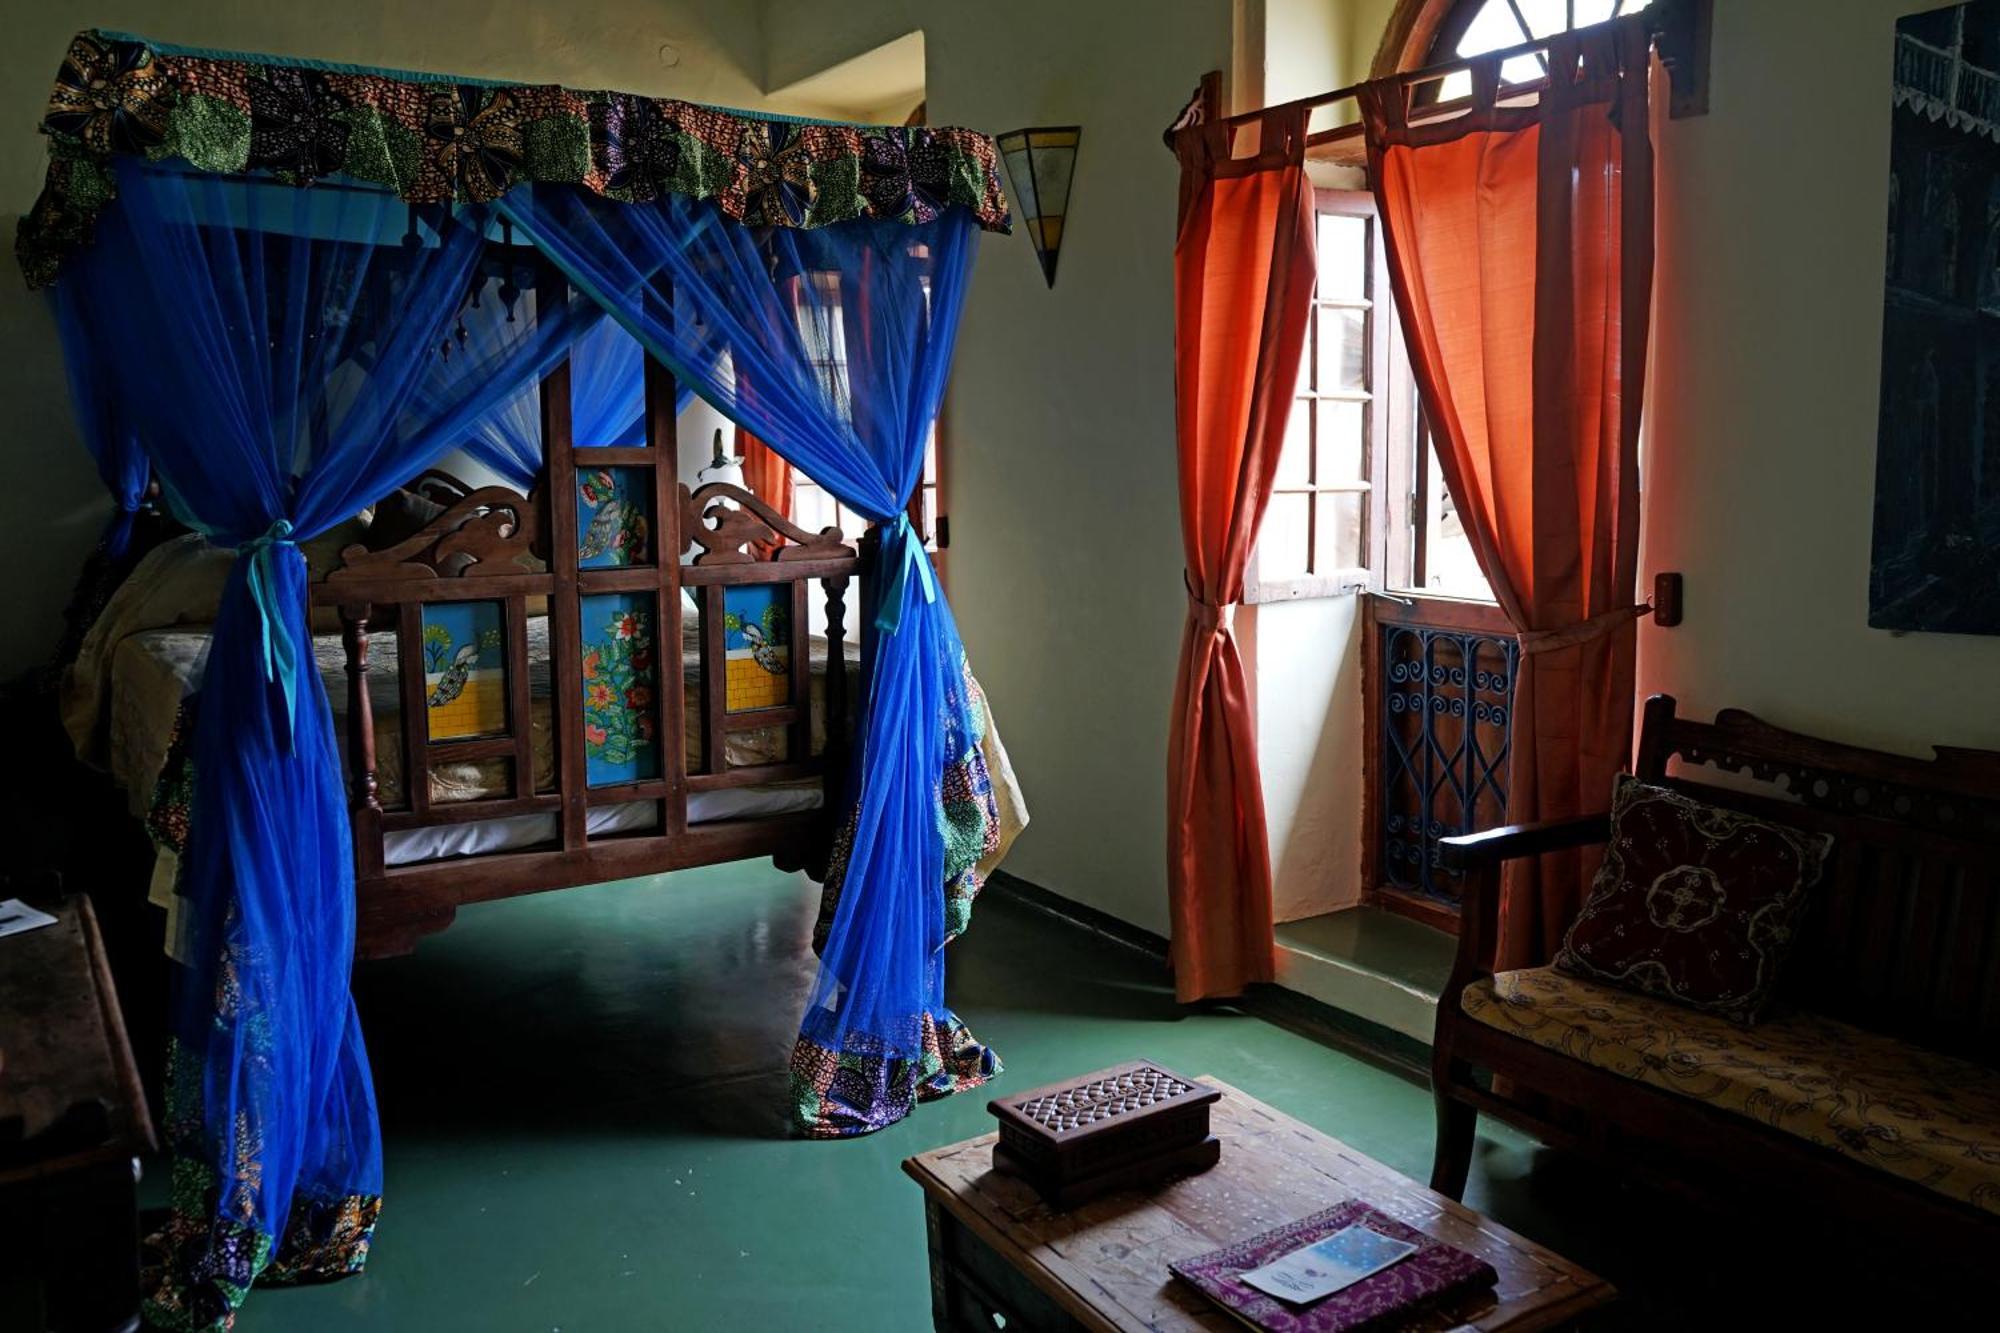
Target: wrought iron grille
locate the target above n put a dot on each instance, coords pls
(1446, 697)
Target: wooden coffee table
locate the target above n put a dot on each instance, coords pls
(1001, 1258)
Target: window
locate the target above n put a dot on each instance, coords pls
(813, 507)
(1359, 503)
(824, 335)
(1480, 26)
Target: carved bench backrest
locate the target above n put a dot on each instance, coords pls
(1904, 931)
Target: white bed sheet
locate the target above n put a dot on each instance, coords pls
(486, 836)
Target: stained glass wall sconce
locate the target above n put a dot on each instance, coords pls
(1040, 162)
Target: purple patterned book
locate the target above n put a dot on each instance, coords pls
(1436, 1271)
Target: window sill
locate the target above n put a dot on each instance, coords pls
(1340, 583)
(1429, 597)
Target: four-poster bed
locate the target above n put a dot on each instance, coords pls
(276, 359)
(478, 554)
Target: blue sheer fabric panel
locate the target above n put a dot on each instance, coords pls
(833, 345)
(607, 386)
(509, 331)
(112, 441)
(273, 340)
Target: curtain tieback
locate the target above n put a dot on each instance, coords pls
(901, 532)
(281, 653)
(1208, 617)
(1549, 640)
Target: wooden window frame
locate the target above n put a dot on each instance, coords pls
(1388, 401)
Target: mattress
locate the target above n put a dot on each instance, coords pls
(155, 669)
(518, 832)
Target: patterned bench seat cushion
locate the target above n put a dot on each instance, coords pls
(1930, 1119)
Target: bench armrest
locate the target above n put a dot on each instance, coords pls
(1480, 856)
(1510, 842)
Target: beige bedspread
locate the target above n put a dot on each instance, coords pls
(122, 695)
(153, 671)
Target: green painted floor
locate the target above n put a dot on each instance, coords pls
(581, 1094)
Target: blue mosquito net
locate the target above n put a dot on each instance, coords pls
(833, 344)
(294, 354)
(113, 440)
(285, 350)
(607, 374)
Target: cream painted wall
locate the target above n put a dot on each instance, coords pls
(51, 504)
(1065, 562)
(1062, 423)
(1760, 471)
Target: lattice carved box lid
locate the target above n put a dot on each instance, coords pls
(1104, 1101)
(1109, 1120)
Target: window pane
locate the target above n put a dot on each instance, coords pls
(1343, 349)
(465, 670)
(614, 517)
(757, 646)
(1295, 462)
(1338, 538)
(1343, 256)
(812, 508)
(1449, 565)
(620, 686)
(1343, 442)
(1493, 28)
(1545, 17)
(1281, 545)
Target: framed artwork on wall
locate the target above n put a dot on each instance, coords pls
(1936, 560)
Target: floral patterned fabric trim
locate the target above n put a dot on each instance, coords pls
(203, 1262)
(167, 810)
(968, 816)
(435, 142)
(839, 1094)
(864, 1088)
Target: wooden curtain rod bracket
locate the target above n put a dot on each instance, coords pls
(1682, 41)
(1203, 105)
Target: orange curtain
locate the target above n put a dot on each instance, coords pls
(1243, 282)
(1520, 244)
(768, 476)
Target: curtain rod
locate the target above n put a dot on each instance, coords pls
(1651, 17)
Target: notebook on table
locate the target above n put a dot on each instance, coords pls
(1431, 1272)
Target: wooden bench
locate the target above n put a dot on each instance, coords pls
(1902, 938)
(72, 1123)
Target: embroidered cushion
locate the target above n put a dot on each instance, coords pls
(1693, 903)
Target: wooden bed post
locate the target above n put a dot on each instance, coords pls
(565, 608)
(365, 815)
(670, 699)
(834, 761)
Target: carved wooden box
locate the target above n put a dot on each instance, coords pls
(1118, 1128)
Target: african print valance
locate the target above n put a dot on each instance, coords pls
(436, 139)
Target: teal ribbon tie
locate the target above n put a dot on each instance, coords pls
(890, 616)
(281, 651)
